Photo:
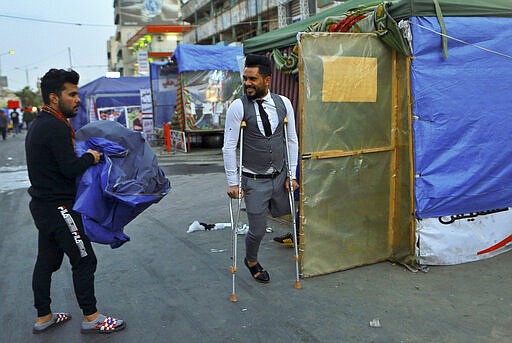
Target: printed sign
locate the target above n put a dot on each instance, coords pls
(146, 102)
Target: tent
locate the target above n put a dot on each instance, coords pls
(110, 94)
(397, 159)
(209, 80)
(164, 86)
(399, 9)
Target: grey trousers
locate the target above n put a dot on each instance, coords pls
(261, 196)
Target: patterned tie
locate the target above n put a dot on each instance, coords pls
(264, 118)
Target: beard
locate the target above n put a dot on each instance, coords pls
(68, 112)
(258, 93)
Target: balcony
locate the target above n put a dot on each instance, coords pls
(244, 11)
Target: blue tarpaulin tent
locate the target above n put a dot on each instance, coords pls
(209, 80)
(164, 87)
(191, 57)
(108, 92)
(462, 113)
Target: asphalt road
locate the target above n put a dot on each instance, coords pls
(173, 286)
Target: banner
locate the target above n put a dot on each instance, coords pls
(143, 63)
(144, 12)
(146, 103)
(464, 237)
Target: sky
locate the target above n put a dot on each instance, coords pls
(54, 34)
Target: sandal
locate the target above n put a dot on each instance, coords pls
(258, 273)
(57, 320)
(103, 324)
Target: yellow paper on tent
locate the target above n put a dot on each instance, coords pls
(349, 79)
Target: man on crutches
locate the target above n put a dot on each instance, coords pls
(265, 179)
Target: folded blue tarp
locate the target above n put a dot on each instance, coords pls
(463, 108)
(125, 182)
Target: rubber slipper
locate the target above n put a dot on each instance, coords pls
(57, 320)
(103, 324)
(258, 273)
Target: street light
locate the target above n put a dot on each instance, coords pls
(26, 73)
(10, 52)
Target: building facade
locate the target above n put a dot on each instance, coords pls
(149, 28)
(224, 21)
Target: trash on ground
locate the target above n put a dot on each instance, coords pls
(197, 226)
(375, 323)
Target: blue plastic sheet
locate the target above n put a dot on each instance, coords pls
(109, 92)
(127, 180)
(462, 106)
(191, 57)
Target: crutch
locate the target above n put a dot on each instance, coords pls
(292, 208)
(234, 222)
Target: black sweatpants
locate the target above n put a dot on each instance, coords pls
(56, 238)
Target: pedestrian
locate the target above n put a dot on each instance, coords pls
(52, 168)
(287, 239)
(265, 183)
(15, 120)
(4, 122)
(137, 123)
(28, 117)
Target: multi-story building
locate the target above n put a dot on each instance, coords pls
(215, 21)
(157, 26)
(148, 26)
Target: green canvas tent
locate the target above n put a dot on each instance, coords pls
(358, 113)
(399, 9)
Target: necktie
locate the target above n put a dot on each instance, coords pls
(264, 118)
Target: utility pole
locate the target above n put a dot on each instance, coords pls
(10, 52)
(69, 54)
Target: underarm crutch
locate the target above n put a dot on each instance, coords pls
(292, 208)
(234, 222)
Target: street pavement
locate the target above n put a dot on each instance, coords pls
(174, 286)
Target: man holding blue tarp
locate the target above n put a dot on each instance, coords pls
(53, 167)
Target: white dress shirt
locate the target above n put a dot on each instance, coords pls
(234, 117)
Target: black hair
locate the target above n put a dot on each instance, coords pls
(260, 61)
(53, 82)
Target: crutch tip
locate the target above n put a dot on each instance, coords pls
(298, 285)
(233, 298)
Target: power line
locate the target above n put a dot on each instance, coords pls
(52, 21)
(91, 66)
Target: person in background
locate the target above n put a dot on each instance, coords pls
(28, 117)
(52, 168)
(4, 122)
(15, 119)
(265, 183)
(137, 123)
(287, 239)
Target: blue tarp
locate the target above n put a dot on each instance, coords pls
(191, 57)
(109, 92)
(127, 180)
(463, 109)
(164, 87)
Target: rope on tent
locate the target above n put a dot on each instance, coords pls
(462, 41)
